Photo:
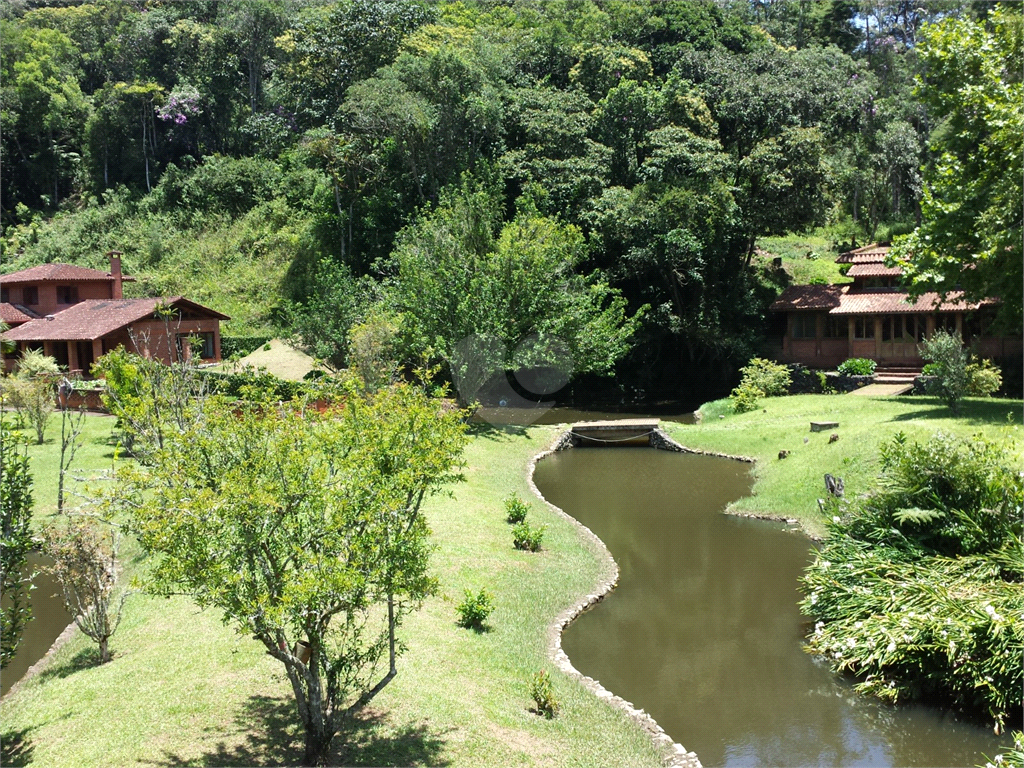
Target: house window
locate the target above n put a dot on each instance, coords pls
(208, 352)
(5, 295)
(190, 343)
(804, 326)
(67, 294)
(864, 328)
(836, 327)
(30, 294)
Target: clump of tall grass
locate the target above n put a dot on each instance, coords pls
(919, 590)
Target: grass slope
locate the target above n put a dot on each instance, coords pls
(807, 258)
(789, 487)
(183, 689)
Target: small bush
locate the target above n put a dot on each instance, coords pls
(474, 609)
(543, 695)
(746, 398)
(526, 537)
(241, 345)
(761, 378)
(857, 366)
(983, 379)
(516, 509)
(946, 351)
(773, 379)
(826, 388)
(930, 369)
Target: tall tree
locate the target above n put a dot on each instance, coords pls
(973, 206)
(461, 274)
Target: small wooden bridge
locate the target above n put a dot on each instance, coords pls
(617, 432)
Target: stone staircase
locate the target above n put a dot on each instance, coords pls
(896, 374)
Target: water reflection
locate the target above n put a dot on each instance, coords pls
(703, 631)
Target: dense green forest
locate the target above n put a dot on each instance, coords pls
(598, 170)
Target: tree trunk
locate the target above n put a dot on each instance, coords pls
(104, 650)
(318, 747)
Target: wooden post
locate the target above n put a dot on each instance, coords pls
(878, 338)
(72, 356)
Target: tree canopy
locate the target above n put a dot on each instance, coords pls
(305, 530)
(972, 209)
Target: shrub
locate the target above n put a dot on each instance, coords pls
(526, 537)
(983, 378)
(773, 379)
(823, 384)
(516, 509)
(241, 345)
(32, 390)
(857, 366)
(543, 695)
(946, 351)
(761, 378)
(16, 542)
(930, 369)
(746, 398)
(474, 609)
(85, 565)
(916, 591)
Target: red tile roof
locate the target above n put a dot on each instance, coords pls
(873, 270)
(57, 273)
(95, 318)
(884, 303)
(874, 253)
(12, 314)
(808, 297)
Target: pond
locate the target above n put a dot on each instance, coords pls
(704, 633)
(49, 619)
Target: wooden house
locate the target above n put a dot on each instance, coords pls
(76, 315)
(873, 317)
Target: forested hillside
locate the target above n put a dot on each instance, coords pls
(303, 166)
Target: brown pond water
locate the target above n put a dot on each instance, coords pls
(49, 619)
(703, 631)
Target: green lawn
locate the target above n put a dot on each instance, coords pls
(95, 455)
(789, 487)
(183, 689)
(807, 258)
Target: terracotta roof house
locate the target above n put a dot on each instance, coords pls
(76, 315)
(873, 317)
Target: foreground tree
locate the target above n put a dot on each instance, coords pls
(15, 537)
(306, 531)
(973, 206)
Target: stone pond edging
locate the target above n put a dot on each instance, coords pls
(675, 754)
